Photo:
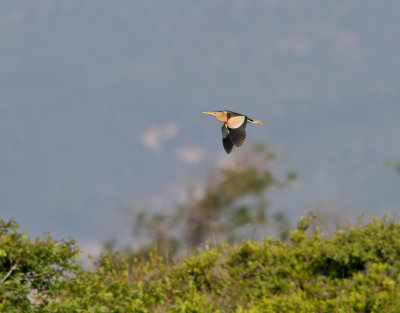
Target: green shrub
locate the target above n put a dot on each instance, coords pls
(30, 270)
(353, 270)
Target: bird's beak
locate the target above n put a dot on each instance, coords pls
(211, 113)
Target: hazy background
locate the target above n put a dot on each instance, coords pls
(101, 102)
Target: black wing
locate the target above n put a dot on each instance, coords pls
(233, 137)
(227, 143)
(237, 135)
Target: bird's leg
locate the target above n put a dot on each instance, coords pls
(254, 122)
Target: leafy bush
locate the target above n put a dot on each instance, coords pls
(30, 270)
(354, 270)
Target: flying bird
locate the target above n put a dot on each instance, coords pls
(234, 128)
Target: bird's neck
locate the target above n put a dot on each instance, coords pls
(221, 117)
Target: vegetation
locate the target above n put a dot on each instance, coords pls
(31, 270)
(393, 164)
(356, 269)
(234, 203)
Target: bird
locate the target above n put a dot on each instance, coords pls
(234, 128)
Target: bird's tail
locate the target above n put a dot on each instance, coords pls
(254, 122)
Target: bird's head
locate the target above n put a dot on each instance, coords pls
(211, 113)
(220, 115)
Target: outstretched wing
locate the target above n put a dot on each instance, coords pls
(226, 142)
(233, 137)
(237, 136)
(236, 121)
(237, 130)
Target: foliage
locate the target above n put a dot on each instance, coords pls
(356, 269)
(31, 269)
(232, 206)
(393, 164)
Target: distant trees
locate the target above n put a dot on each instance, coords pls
(232, 206)
(395, 165)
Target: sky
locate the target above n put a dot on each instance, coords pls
(101, 105)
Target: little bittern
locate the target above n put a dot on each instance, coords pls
(234, 128)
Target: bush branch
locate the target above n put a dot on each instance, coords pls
(9, 273)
